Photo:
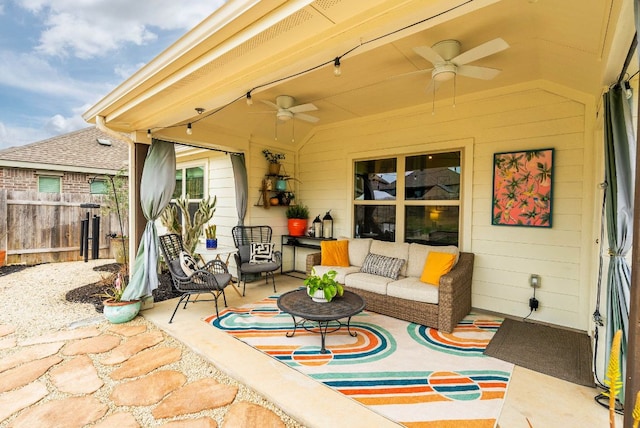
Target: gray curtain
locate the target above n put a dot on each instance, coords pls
(240, 178)
(156, 189)
(620, 149)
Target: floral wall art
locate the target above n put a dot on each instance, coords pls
(522, 188)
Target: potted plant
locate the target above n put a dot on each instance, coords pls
(323, 288)
(210, 233)
(297, 223)
(115, 309)
(274, 161)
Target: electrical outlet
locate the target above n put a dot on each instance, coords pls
(534, 280)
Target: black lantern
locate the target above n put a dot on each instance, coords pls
(327, 225)
(317, 227)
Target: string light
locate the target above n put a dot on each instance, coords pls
(148, 133)
(336, 67)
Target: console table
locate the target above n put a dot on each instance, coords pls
(298, 242)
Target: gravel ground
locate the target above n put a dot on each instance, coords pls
(35, 304)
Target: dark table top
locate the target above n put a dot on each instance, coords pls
(298, 303)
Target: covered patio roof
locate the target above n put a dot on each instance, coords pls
(277, 48)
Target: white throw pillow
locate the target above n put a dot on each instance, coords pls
(261, 252)
(187, 263)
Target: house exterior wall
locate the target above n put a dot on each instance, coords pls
(24, 179)
(532, 116)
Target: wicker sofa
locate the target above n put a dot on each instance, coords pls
(406, 298)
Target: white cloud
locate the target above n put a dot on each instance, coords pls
(19, 136)
(125, 71)
(97, 27)
(30, 73)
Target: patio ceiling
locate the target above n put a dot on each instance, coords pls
(247, 44)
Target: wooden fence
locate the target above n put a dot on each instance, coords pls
(46, 227)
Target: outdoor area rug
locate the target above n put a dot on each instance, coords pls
(412, 374)
(553, 351)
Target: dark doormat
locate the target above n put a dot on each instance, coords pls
(553, 351)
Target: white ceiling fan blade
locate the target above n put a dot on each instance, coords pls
(306, 117)
(302, 108)
(485, 49)
(269, 103)
(429, 54)
(411, 73)
(477, 72)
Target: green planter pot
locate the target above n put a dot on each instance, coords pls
(120, 312)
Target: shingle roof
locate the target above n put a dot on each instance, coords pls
(78, 149)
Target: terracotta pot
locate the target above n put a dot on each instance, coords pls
(274, 168)
(297, 226)
(119, 312)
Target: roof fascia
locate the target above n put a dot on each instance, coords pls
(50, 167)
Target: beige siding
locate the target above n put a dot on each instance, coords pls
(526, 118)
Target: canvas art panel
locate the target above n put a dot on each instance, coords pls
(522, 188)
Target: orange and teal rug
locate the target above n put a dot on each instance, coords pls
(411, 374)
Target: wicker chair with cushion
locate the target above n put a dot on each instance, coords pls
(188, 277)
(256, 254)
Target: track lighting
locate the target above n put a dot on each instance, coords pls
(249, 100)
(336, 67)
(148, 133)
(189, 130)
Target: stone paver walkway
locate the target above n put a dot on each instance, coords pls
(127, 375)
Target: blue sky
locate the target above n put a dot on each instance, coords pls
(59, 57)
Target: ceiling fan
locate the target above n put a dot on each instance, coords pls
(287, 110)
(448, 62)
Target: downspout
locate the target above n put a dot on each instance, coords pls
(100, 124)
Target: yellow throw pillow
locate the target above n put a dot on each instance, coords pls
(334, 253)
(436, 265)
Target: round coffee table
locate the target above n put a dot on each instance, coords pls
(297, 303)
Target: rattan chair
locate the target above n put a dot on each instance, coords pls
(243, 237)
(211, 278)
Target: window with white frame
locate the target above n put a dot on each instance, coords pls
(190, 182)
(98, 187)
(408, 198)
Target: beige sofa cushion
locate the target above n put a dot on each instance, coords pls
(341, 272)
(358, 250)
(399, 250)
(418, 256)
(412, 288)
(367, 281)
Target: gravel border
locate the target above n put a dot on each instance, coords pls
(35, 305)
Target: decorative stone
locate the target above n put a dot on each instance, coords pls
(26, 373)
(133, 346)
(200, 395)
(92, 345)
(147, 390)
(194, 423)
(30, 353)
(14, 401)
(78, 376)
(146, 361)
(8, 342)
(245, 414)
(69, 413)
(64, 335)
(128, 330)
(6, 330)
(120, 420)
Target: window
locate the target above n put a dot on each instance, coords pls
(190, 182)
(98, 187)
(48, 184)
(418, 193)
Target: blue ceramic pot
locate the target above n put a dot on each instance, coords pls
(119, 312)
(212, 244)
